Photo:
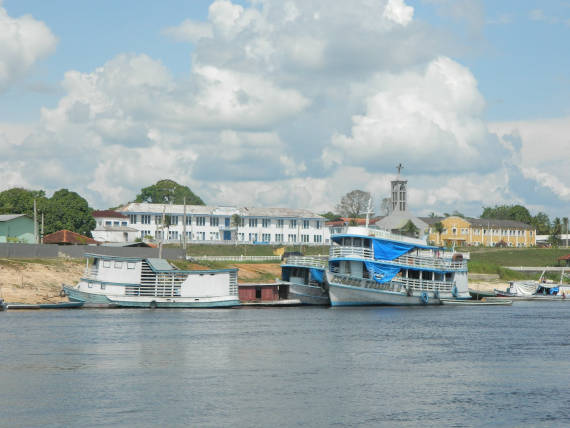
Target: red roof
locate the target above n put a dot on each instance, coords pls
(566, 257)
(108, 213)
(68, 237)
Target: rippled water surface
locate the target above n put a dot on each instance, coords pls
(440, 366)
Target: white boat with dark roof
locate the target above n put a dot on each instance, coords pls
(152, 283)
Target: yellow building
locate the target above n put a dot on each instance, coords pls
(480, 232)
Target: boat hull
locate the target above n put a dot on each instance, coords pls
(346, 295)
(308, 294)
(100, 300)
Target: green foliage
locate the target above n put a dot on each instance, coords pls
(517, 256)
(410, 229)
(236, 220)
(64, 210)
(167, 191)
(330, 216)
(508, 212)
(493, 268)
(542, 223)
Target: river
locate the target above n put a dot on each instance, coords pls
(377, 366)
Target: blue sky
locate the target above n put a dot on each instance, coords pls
(290, 103)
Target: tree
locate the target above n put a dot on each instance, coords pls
(354, 204)
(21, 201)
(68, 210)
(508, 212)
(439, 229)
(541, 222)
(410, 229)
(168, 191)
(330, 216)
(565, 223)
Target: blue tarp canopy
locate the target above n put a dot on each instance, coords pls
(390, 250)
(317, 274)
(386, 272)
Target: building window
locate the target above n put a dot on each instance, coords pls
(305, 224)
(172, 234)
(241, 236)
(305, 238)
(266, 237)
(279, 237)
(454, 231)
(252, 222)
(108, 223)
(157, 219)
(292, 238)
(116, 223)
(188, 235)
(317, 224)
(253, 237)
(280, 222)
(201, 236)
(145, 219)
(214, 236)
(123, 223)
(106, 264)
(118, 265)
(265, 222)
(188, 220)
(133, 218)
(292, 224)
(200, 221)
(173, 220)
(130, 265)
(214, 221)
(317, 239)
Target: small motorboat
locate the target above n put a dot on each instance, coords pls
(482, 302)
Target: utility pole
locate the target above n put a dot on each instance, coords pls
(184, 228)
(161, 233)
(35, 223)
(42, 231)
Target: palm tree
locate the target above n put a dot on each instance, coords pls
(439, 229)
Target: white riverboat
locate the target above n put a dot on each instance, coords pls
(305, 277)
(152, 283)
(370, 266)
(375, 267)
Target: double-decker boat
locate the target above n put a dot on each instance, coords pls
(305, 277)
(152, 283)
(371, 266)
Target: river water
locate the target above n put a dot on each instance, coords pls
(428, 366)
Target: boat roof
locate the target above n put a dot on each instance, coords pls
(412, 241)
(160, 265)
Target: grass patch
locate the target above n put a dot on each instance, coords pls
(249, 249)
(493, 268)
(518, 256)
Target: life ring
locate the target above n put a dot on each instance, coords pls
(424, 298)
(153, 304)
(454, 291)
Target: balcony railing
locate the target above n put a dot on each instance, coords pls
(397, 284)
(337, 251)
(317, 262)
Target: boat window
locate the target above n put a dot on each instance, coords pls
(102, 286)
(130, 265)
(118, 265)
(106, 264)
(357, 242)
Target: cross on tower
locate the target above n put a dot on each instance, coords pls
(399, 168)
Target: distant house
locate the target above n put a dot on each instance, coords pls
(67, 237)
(112, 226)
(16, 228)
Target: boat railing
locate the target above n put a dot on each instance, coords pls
(405, 260)
(304, 261)
(397, 284)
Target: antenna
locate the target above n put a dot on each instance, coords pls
(368, 211)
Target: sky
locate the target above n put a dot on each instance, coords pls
(290, 103)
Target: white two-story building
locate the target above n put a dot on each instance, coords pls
(226, 224)
(112, 226)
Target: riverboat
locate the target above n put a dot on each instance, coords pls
(306, 280)
(151, 283)
(371, 266)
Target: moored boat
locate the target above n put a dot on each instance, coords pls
(152, 283)
(3, 305)
(306, 280)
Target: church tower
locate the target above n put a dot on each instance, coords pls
(399, 193)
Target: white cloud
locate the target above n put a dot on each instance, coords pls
(23, 41)
(431, 118)
(399, 12)
(189, 31)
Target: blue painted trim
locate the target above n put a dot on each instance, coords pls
(351, 287)
(110, 282)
